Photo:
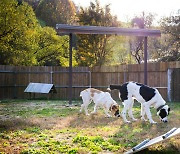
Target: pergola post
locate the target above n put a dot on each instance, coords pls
(145, 60)
(70, 69)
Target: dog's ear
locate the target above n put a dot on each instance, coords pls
(115, 107)
(169, 110)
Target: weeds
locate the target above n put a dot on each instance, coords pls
(95, 144)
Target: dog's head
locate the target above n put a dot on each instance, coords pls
(115, 110)
(163, 112)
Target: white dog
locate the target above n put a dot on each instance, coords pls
(101, 99)
(147, 96)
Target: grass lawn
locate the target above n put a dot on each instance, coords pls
(48, 126)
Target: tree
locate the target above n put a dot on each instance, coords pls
(170, 44)
(120, 51)
(92, 49)
(33, 3)
(18, 25)
(24, 42)
(137, 43)
(52, 49)
(56, 11)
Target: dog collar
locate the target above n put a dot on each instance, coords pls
(159, 108)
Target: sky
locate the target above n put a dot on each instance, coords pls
(127, 9)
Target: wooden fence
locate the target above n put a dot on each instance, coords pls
(14, 79)
(175, 86)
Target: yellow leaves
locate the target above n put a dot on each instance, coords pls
(30, 32)
(83, 58)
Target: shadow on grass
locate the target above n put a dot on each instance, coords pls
(16, 124)
(90, 121)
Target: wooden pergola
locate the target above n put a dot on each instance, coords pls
(63, 29)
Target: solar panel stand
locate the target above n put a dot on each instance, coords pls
(40, 88)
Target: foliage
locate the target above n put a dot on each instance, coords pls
(96, 143)
(137, 43)
(165, 48)
(56, 11)
(120, 51)
(170, 48)
(25, 39)
(92, 49)
(24, 42)
(52, 49)
(17, 33)
(33, 3)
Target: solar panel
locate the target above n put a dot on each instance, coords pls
(40, 88)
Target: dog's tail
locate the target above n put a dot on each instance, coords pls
(112, 87)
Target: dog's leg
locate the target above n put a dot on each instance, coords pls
(143, 113)
(95, 109)
(126, 104)
(86, 110)
(106, 112)
(82, 107)
(130, 110)
(86, 102)
(148, 113)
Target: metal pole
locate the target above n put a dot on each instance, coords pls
(89, 79)
(51, 76)
(70, 68)
(145, 60)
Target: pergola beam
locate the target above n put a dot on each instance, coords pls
(68, 29)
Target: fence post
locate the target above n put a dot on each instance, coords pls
(169, 84)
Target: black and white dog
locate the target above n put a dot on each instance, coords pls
(147, 96)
